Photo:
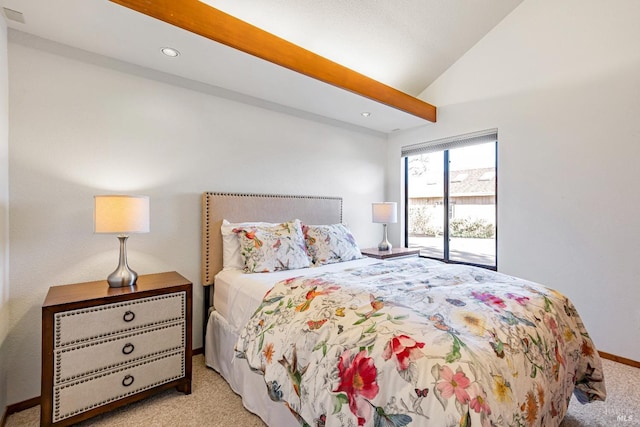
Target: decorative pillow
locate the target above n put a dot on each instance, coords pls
(231, 258)
(273, 248)
(328, 244)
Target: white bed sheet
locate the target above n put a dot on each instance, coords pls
(237, 295)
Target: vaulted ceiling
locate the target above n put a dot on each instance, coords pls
(399, 47)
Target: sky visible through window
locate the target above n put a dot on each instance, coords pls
(473, 157)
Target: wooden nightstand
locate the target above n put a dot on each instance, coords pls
(393, 253)
(105, 347)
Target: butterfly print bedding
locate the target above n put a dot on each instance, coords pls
(415, 342)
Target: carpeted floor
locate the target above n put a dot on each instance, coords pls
(212, 403)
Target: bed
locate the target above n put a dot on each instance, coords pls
(382, 343)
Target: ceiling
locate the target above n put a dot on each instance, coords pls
(405, 47)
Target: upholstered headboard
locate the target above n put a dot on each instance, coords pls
(257, 207)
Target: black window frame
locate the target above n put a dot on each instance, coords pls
(446, 207)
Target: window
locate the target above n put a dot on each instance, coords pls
(450, 198)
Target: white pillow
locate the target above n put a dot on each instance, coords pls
(231, 259)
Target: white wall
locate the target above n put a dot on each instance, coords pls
(561, 82)
(4, 212)
(78, 129)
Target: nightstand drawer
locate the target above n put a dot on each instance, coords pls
(98, 356)
(80, 396)
(102, 321)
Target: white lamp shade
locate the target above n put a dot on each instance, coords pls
(385, 212)
(121, 214)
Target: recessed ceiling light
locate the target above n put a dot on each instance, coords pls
(169, 51)
(365, 114)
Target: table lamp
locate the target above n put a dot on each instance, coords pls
(121, 215)
(385, 213)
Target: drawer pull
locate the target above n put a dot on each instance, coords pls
(129, 316)
(128, 348)
(127, 381)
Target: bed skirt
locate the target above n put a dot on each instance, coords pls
(219, 343)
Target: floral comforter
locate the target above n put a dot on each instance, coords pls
(416, 342)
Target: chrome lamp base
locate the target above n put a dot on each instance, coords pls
(123, 275)
(384, 246)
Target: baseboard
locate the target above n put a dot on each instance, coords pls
(17, 407)
(198, 351)
(619, 359)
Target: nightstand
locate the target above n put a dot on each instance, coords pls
(393, 253)
(106, 347)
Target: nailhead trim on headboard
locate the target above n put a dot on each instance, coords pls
(293, 210)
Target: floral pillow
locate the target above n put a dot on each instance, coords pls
(231, 258)
(328, 244)
(273, 248)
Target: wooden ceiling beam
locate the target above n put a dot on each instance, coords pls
(206, 21)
